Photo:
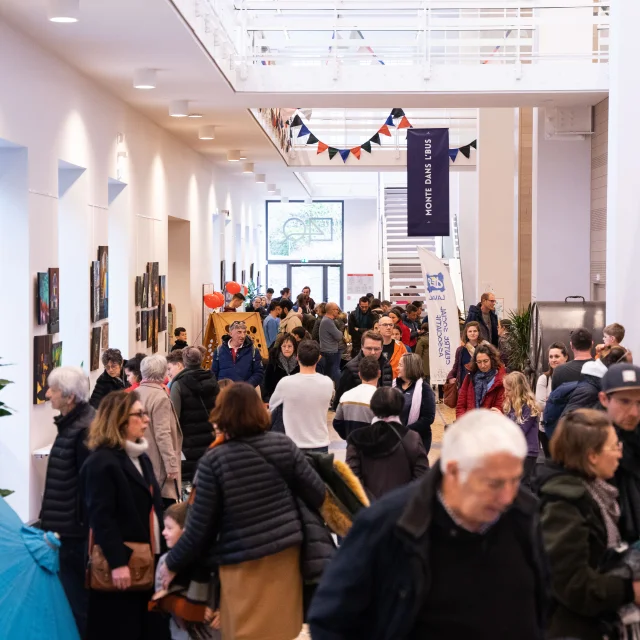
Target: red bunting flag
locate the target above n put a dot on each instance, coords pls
(356, 152)
(322, 147)
(384, 130)
(404, 123)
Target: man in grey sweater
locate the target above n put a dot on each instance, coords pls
(330, 337)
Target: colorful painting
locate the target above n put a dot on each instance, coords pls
(56, 355)
(103, 259)
(144, 326)
(42, 367)
(138, 293)
(163, 305)
(137, 334)
(149, 328)
(145, 291)
(155, 284)
(95, 348)
(54, 300)
(43, 298)
(154, 339)
(105, 336)
(95, 291)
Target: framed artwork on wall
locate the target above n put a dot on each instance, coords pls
(163, 304)
(244, 277)
(105, 336)
(54, 300)
(223, 274)
(137, 317)
(103, 259)
(56, 355)
(149, 328)
(42, 303)
(154, 340)
(233, 272)
(137, 334)
(95, 348)
(145, 290)
(95, 291)
(42, 366)
(138, 291)
(143, 326)
(251, 271)
(155, 284)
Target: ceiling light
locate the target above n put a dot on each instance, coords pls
(208, 132)
(195, 115)
(179, 108)
(144, 78)
(233, 156)
(261, 178)
(277, 193)
(271, 188)
(247, 167)
(243, 155)
(64, 10)
(284, 199)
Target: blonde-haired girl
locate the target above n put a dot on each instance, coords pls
(520, 406)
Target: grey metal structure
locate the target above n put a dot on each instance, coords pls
(554, 321)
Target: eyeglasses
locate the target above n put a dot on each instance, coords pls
(139, 414)
(385, 324)
(617, 447)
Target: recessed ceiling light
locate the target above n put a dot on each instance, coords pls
(208, 132)
(195, 115)
(261, 178)
(144, 78)
(64, 10)
(247, 167)
(271, 188)
(243, 155)
(179, 108)
(233, 156)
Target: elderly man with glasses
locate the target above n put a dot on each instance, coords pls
(372, 345)
(485, 314)
(237, 358)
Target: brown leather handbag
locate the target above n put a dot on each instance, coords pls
(141, 564)
(451, 394)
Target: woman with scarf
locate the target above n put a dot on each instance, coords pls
(386, 454)
(283, 362)
(482, 388)
(419, 408)
(470, 340)
(579, 519)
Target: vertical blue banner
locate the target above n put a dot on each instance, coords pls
(428, 182)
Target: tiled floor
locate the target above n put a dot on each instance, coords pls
(444, 416)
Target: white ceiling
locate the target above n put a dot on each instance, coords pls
(114, 37)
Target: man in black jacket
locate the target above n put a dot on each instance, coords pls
(411, 564)
(193, 392)
(484, 313)
(62, 510)
(620, 396)
(111, 379)
(350, 377)
(360, 320)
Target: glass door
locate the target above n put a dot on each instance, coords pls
(311, 276)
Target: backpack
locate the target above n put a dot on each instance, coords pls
(555, 406)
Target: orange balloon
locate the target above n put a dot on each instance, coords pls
(211, 300)
(233, 288)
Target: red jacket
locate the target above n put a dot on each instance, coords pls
(493, 400)
(406, 334)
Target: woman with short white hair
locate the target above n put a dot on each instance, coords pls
(164, 434)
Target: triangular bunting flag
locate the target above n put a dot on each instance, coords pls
(466, 150)
(312, 139)
(384, 130)
(332, 152)
(303, 131)
(474, 144)
(375, 139)
(366, 146)
(345, 154)
(397, 113)
(389, 122)
(404, 123)
(322, 147)
(297, 122)
(453, 154)
(356, 152)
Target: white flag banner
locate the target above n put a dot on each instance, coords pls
(442, 309)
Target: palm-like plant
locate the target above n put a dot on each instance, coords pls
(4, 411)
(518, 340)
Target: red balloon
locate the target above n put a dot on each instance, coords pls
(233, 288)
(211, 300)
(219, 298)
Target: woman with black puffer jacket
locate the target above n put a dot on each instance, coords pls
(245, 519)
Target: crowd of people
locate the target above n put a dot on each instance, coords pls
(215, 488)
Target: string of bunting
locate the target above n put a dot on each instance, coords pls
(396, 119)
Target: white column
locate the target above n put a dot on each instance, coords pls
(561, 215)
(623, 199)
(497, 206)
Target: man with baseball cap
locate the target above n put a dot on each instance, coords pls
(620, 396)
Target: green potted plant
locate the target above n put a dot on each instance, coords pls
(4, 411)
(518, 340)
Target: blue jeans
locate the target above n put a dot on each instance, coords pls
(332, 366)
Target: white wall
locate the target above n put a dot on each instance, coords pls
(561, 215)
(57, 115)
(467, 187)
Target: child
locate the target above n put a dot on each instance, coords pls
(181, 339)
(397, 336)
(422, 349)
(613, 337)
(174, 521)
(520, 406)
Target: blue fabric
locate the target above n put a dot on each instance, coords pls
(271, 327)
(482, 382)
(556, 404)
(332, 366)
(247, 367)
(32, 599)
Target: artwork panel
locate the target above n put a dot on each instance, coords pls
(145, 290)
(155, 284)
(95, 348)
(54, 300)
(42, 305)
(138, 293)
(105, 336)
(137, 334)
(95, 291)
(56, 355)
(103, 259)
(42, 367)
